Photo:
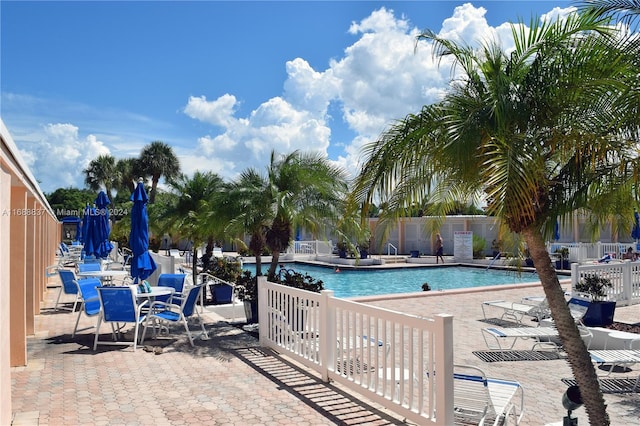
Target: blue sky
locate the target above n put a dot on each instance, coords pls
(223, 83)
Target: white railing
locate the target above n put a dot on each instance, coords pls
(624, 277)
(389, 357)
(581, 252)
(389, 247)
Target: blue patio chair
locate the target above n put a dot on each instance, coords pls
(89, 267)
(168, 313)
(87, 289)
(118, 305)
(175, 281)
(67, 278)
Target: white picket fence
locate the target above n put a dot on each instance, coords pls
(624, 276)
(389, 357)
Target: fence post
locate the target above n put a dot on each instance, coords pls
(626, 282)
(444, 368)
(262, 309)
(327, 331)
(574, 276)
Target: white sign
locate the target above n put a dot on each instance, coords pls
(462, 245)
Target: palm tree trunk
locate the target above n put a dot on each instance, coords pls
(194, 264)
(578, 356)
(275, 259)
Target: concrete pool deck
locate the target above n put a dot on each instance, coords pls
(229, 380)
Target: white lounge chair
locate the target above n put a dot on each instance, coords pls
(484, 400)
(516, 311)
(615, 358)
(541, 335)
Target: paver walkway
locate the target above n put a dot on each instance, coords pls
(229, 380)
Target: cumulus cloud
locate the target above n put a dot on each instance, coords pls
(59, 156)
(382, 76)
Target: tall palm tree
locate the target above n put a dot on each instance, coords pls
(101, 172)
(158, 160)
(537, 130)
(194, 214)
(305, 191)
(249, 204)
(127, 176)
(298, 189)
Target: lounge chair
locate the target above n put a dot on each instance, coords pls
(536, 309)
(617, 358)
(541, 335)
(481, 400)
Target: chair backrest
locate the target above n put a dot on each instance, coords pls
(471, 398)
(189, 302)
(578, 306)
(118, 304)
(88, 267)
(88, 289)
(176, 281)
(67, 278)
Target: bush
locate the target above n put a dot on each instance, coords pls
(247, 284)
(478, 245)
(224, 268)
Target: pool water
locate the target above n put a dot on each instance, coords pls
(352, 283)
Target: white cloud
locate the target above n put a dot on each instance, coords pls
(59, 156)
(381, 77)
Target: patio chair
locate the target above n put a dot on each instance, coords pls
(67, 278)
(481, 400)
(87, 289)
(89, 266)
(175, 281)
(118, 305)
(171, 313)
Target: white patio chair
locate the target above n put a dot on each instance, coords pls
(516, 311)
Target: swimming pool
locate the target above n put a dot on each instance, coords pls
(352, 283)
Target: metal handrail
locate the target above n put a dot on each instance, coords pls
(395, 249)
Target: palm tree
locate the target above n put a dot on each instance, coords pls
(158, 160)
(101, 172)
(127, 176)
(305, 191)
(248, 202)
(537, 130)
(194, 214)
(299, 189)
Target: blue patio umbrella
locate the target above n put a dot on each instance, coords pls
(142, 265)
(556, 232)
(88, 226)
(101, 227)
(635, 232)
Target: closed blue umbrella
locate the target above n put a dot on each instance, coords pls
(101, 227)
(142, 265)
(635, 233)
(88, 226)
(556, 231)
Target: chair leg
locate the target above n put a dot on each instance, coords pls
(186, 327)
(95, 341)
(77, 322)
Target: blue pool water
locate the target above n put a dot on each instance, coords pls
(352, 283)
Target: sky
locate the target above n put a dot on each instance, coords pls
(225, 83)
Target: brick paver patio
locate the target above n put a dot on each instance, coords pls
(230, 380)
